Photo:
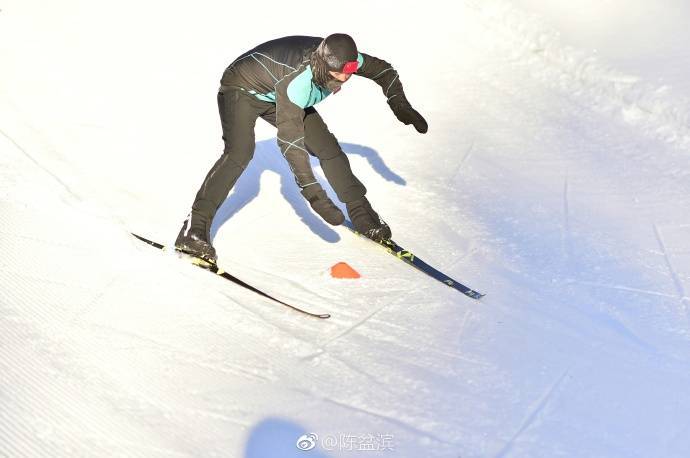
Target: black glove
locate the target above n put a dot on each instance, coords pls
(408, 115)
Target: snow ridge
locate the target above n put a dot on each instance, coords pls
(656, 110)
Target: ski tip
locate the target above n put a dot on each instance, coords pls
(475, 295)
(323, 316)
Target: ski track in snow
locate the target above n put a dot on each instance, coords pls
(539, 408)
(566, 237)
(682, 296)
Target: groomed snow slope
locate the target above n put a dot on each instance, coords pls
(549, 179)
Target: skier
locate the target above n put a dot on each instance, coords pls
(280, 81)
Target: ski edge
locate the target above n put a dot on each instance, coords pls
(214, 268)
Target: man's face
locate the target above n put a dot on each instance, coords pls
(342, 77)
(337, 80)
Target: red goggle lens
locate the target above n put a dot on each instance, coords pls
(350, 67)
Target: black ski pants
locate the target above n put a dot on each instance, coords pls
(238, 114)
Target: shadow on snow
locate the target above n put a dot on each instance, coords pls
(267, 157)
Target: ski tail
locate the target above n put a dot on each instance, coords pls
(212, 267)
(148, 242)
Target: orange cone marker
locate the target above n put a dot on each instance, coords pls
(343, 270)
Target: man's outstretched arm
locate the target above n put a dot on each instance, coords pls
(387, 77)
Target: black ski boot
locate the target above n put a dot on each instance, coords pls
(366, 221)
(194, 239)
(323, 205)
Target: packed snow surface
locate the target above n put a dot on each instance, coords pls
(555, 177)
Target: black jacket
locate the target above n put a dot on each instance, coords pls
(279, 72)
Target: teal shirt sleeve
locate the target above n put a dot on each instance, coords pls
(299, 88)
(303, 92)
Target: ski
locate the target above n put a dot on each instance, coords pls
(405, 255)
(214, 268)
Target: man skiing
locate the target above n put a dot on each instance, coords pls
(280, 81)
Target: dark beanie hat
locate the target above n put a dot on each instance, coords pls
(339, 49)
(332, 54)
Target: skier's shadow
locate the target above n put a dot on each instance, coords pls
(267, 157)
(282, 438)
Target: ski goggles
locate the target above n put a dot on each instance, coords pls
(350, 67)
